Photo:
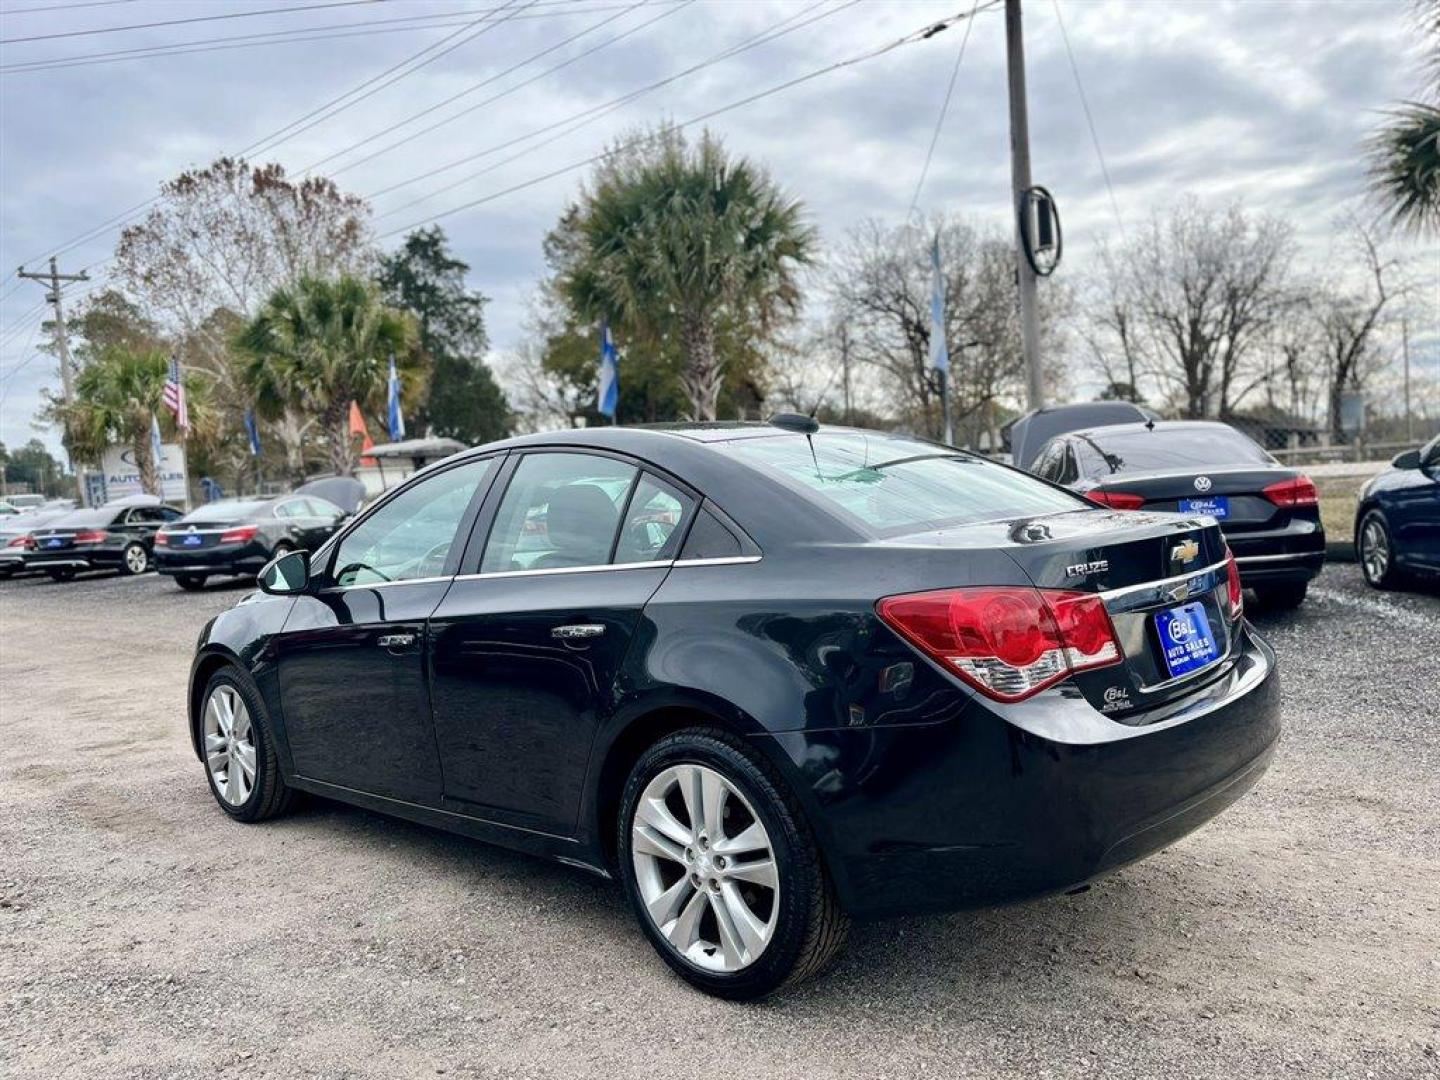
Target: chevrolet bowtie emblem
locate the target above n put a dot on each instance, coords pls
(1184, 552)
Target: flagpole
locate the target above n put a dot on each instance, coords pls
(945, 406)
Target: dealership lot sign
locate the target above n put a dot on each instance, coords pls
(122, 475)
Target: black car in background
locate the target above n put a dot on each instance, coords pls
(1270, 514)
(116, 536)
(770, 676)
(1397, 521)
(237, 537)
(16, 537)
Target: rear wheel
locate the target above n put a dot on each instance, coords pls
(190, 582)
(721, 869)
(134, 559)
(240, 760)
(61, 573)
(1376, 552)
(1286, 596)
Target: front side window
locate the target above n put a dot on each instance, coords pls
(560, 510)
(892, 485)
(411, 535)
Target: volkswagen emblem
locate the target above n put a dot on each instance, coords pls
(1202, 483)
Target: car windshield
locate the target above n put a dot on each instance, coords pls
(1208, 447)
(223, 511)
(891, 486)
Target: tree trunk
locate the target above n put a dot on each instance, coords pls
(147, 465)
(702, 376)
(337, 426)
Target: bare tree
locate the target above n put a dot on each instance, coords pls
(1191, 297)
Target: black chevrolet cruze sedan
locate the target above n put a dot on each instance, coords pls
(770, 676)
(237, 537)
(1270, 514)
(1397, 520)
(116, 536)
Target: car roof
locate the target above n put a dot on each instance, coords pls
(1033, 430)
(1154, 427)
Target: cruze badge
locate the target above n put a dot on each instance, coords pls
(1085, 569)
(1185, 552)
(1202, 483)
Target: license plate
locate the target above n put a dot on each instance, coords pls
(1186, 639)
(1217, 507)
(54, 541)
(192, 541)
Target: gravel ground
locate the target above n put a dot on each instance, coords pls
(142, 934)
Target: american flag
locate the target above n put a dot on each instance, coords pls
(175, 396)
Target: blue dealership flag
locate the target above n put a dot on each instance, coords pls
(939, 350)
(397, 422)
(608, 399)
(157, 450)
(253, 431)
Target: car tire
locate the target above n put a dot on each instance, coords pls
(190, 582)
(259, 792)
(1284, 596)
(135, 559)
(772, 935)
(62, 573)
(1375, 551)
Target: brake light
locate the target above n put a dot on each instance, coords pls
(240, 535)
(1299, 491)
(1007, 642)
(1233, 588)
(162, 539)
(19, 541)
(1116, 500)
(92, 536)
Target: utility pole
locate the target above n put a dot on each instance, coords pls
(1405, 352)
(845, 369)
(62, 346)
(1020, 184)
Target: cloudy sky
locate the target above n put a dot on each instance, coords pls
(1262, 100)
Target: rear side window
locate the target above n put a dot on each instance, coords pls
(560, 510)
(710, 539)
(652, 528)
(1184, 449)
(889, 491)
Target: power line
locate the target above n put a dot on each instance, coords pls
(232, 42)
(64, 7)
(922, 34)
(1089, 119)
(287, 10)
(944, 107)
(674, 9)
(577, 120)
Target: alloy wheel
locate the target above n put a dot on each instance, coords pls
(229, 745)
(1374, 550)
(137, 561)
(705, 868)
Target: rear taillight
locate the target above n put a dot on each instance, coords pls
(20, 541)
(1116, 500)
(1007, 642)
(240, 535)
(1235, 593)
(1299, 491)
(162, 539)
(92, 536)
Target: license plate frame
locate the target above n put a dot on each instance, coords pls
(1216, 506)
(1187, 640)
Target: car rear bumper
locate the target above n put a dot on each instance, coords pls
(235, 559)
(1294, 553)
(74, 559)
(981, 810)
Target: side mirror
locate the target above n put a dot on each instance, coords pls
(287, 575)
(1410, 459)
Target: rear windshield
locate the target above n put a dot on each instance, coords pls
(224, 511)
(891, 486)
(1186, 449)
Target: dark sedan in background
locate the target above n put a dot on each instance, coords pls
(770, 676)
(1270, 514)
(237, 537)
(1397, 520)
(17, 537)
(116, 536)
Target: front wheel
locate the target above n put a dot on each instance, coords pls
(134, 559)
(722, 870)
(190, 582)
(240, 761)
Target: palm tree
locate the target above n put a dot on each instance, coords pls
(673, 240)
(318, 345)
(1405, 152)
(116, 395)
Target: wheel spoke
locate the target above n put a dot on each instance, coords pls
(692, 791)
(685, 931)
(654, 813)
(213, 742)
(749, 927)
(217, 761)
(759, 872)
(712, 795)
(732, 947)
(240, 726)
(244, 753)
(671, 902)
(647, 841)
(752, 839)
(233, 792)
(217, 713)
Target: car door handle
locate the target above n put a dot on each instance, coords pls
(577, 631)
(395, 641)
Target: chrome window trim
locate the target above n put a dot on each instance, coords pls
(386, 584)
(552, 570)
(720, 560)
